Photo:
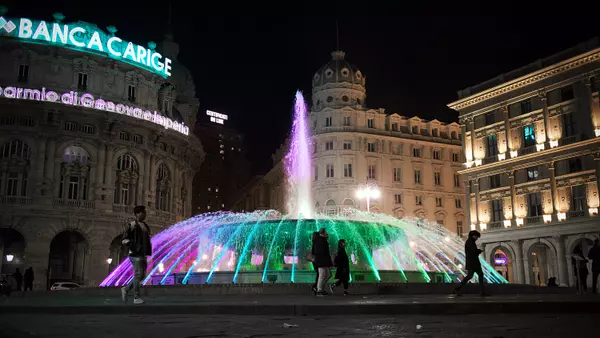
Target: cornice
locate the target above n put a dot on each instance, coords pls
(528, 79)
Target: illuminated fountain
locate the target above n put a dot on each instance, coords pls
(266, 246)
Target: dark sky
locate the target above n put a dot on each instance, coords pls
(250, 67)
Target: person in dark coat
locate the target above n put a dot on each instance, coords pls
(18, 278)
(322, 260)
(28, 279)
(580, 269)
(342, 264)
(473, 264)
(136, 238)
(315, 235)
(594, 255)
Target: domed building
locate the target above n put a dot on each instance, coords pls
(90, 126)
(413, 162)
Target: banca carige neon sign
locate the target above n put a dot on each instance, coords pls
(88, 38)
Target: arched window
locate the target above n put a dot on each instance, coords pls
(348, 202)
(15, 167)
(331, 207)
(74, 174)
(163, 187)
(127, 180)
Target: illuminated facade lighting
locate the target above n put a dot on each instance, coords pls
(483, 226)
(547, 218)
(561, 216)
(478, 162)
(597, 132)
(540, 147)
(469, 164)
(507, 223)
(593, 211)
(520, 222)
(502, 157)
(554, 144)
(473, 226)
(514, 154)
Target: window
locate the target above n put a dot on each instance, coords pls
(529, 135)
(436, 155)
(12, 184)
(346, 121)
(394, 126)
(131, 93)
(568, 125)
(497, 214)
(459, 228)
(329, 145)
(434, 132)
(88, 129)
(74, 154)
(415, 129)
(372, 147)
(416, 152)
(15, 148)
(73, 188)
(163, 188)
(315, 171)
(492, 145)
(329, 171)
(82, 81)
(418, 200)
(123, 135)
(71, 126)
(397, 174)
(579, 198)
(347, 145)
(490, 118)
(532, 173)
(437, 178)
(7, 120)
(137, 139)
(566, 93)
(348, 170)
(455, 157)
(495, 181)
(456, 180)
(127, 167)
(439, 202)
(23, 73)
(575, 165)
(417, 177)
(458, 203)
(525, 106)
(534, 204)
(163, 146)
(372, 172)
(27, 121)
(328, 121)
(398, 198)
(371, 123)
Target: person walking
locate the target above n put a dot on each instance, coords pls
(473, 264)
(594, 255)
(342, 264)
(315, 236)
(28, 279)
(580, 269)
(18, 279)
(137, 239)
(322, 260)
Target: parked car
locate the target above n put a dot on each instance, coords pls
(61, 286)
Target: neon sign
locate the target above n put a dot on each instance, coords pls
(216, 117)
(89, 38)
(87, 100)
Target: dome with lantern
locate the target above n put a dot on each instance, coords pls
(338, 84)
(338, 70)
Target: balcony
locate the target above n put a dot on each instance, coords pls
(532, 220)
(61, 202)
(495, 225)
(575, 213)
(12, 200)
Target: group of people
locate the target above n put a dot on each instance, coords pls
(322, 263)
(16, 282)
(580, 267)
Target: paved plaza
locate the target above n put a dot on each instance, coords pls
(195, 326)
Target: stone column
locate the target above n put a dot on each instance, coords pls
(513, 198)
(477, 201)
(463, 135)
(100, 170)
(56, 178)
(547, 127)
(554, 191)
(507, 130)
(49, 165)
(590, 99)
(108, 173)
(467, 206)
(519, 260)
(146, 178)
(472, 130)
(597, 161)
(41, 159)
(561, 258)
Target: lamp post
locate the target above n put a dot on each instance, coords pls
(367, 192)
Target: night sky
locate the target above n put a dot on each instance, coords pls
(250, 67)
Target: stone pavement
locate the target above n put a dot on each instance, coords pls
(301, 305)
(193, 326)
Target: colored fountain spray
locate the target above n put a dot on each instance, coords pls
(298, 164)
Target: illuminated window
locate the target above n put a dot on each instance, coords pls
(532, 173)
(23, 73)
(529, 135)
(131, 93)
(82, 81)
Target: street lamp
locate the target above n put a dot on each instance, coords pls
(9, 258)
(108, 261)
(368, 191)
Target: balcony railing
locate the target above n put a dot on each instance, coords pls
(576, 213)
(495, 225)
(16, 200)
(490, 159)
(533, 220)
(61, 202)
(529, 150)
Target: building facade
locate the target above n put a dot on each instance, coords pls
(85, 136)
(414, 162)
(532, 164)
(225, 170)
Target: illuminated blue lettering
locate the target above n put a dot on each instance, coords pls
(95, 42)
(58, 33)
(25, 28)
(42, 30)
(72, 36)
(129, 51)
(110, 48)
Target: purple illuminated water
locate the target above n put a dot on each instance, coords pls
(298, 164)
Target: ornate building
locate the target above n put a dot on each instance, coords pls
(532, 163)
(414, 162)
(89, 128)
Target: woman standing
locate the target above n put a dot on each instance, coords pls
(342, 263)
